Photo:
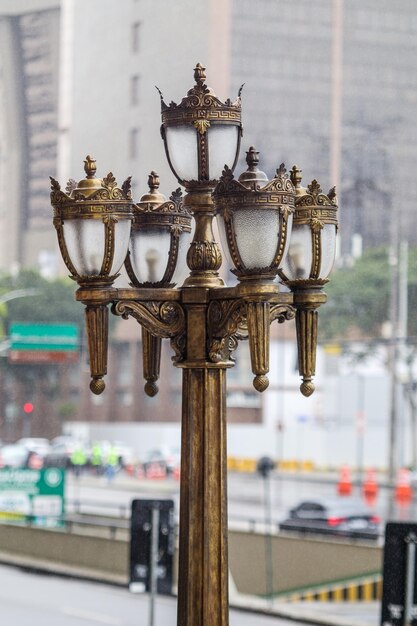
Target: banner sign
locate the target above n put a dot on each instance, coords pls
(32, 494)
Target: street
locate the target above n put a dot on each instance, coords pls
(245, 495)
(32, 599)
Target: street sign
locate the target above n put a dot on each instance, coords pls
(141, 548)
(399, 592)
(43, 343)
(37, 495)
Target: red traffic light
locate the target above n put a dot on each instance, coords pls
(28, 407)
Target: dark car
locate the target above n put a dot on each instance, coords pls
(341, 517)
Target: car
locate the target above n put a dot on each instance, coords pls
(35, 444)
(344, 517)
(13, 455)
(167, 458)
(16, 455)
(60, 452)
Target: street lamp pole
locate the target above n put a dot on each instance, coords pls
(99, 228)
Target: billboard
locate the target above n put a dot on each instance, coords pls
(32, 494)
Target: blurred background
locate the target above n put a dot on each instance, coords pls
(329, 85)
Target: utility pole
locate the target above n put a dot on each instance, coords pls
(393, 351)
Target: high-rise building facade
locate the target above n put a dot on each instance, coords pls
(329, 85)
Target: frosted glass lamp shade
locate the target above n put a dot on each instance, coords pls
(184, 149)
(149, 254)
(223, 146)
(328, 250)
(297, 263)
(302, 261)
(85, 241)
(256, 235)
(181, 146)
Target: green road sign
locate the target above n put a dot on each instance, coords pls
(34, 494)
(43, 343)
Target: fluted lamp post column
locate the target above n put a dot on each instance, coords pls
(188, 302)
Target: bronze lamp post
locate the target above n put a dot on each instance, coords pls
(268, 228)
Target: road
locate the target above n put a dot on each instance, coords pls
(245, 495)
(32, 599)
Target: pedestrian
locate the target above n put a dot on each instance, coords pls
(97, 458)
(78, 460)
(112, 463)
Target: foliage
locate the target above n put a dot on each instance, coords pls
(359, 297)
(54, 303)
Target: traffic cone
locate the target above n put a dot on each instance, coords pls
(403, 492)
(176, 472)
(344, 486)
(370, 486)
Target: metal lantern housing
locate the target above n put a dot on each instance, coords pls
(307, 266)
(255, 219)
(93, 220)
(159, 239)
(313, 242)
(201, 133)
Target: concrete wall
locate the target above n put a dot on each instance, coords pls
(297, 563)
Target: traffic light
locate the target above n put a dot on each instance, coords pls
(28, 407)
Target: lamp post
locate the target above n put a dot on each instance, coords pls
(99, 228)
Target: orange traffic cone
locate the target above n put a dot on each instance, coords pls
(370, 486)
(344, 486)
(403, 492)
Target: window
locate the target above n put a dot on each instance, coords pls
(134, 143)
(134, 90)
(135, 36)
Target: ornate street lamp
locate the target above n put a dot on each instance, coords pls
(266, 227)
(308, 264)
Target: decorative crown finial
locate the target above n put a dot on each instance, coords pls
(90, 166)
(153, 181)
(252, 158)
(199, 74)
(296, 177)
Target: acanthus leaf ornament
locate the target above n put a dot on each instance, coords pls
(202, 126)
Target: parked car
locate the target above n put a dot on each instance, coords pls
(60, 452)
(16, 455)
(339, 517)
(167, 458)
(35, 444)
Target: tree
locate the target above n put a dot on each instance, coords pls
(358, 297)
(54, 303)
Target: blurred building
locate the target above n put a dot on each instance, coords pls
(330, 85)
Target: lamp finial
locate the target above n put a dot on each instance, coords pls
(153, 181)
(90, 166)
(252, 158)
(199, 74)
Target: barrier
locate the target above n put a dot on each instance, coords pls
(297, 563)
(360, 590)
